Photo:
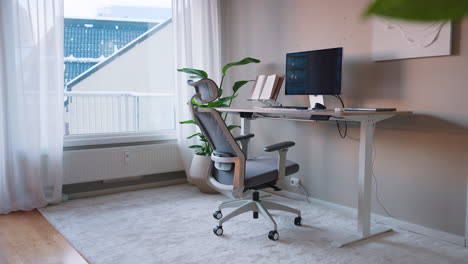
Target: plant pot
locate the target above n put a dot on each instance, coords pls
(200, 171)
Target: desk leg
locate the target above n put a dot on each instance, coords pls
(365, 186)
(245, 129)
(245, 126)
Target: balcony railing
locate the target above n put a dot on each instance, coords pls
(117, 112)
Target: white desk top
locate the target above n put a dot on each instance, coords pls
(309, 112)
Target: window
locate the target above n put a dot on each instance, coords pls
(119, 71)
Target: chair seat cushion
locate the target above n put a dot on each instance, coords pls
(263, 170)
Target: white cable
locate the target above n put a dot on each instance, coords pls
(375, 180)
(305, 193)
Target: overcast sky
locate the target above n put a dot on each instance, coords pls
(89, 8)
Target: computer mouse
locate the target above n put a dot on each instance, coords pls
(319, 106)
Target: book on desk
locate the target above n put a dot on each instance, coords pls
(266, 87)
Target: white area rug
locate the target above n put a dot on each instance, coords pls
(174, 225)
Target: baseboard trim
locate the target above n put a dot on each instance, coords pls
(392, 222)
(126, 188)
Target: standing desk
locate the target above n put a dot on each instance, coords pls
(367, 121)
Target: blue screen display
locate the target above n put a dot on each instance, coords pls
(315, 72)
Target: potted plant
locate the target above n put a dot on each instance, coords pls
(200, 167)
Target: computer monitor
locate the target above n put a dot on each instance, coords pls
(316, 72)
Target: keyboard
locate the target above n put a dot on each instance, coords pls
(293, 109)
(289, 108)
(364, 109)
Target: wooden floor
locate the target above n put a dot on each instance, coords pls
(27, 237)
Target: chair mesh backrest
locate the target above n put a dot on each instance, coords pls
(213, 130)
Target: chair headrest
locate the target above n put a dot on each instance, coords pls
(206, 90)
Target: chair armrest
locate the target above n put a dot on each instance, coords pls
(243, 137)
(244, 141)
(279, 146)
(282, 149)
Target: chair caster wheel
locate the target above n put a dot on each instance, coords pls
(298, 221)
(273, 235)
(217, 215)
(218, 230)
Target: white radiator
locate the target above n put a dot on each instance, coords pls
(88, 165)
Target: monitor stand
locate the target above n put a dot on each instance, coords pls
(315, 99)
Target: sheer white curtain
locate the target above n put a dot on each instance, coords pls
(197, 42)
(31, 102)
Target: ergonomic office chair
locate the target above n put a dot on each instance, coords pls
(232, 173)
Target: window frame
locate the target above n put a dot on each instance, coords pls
(106, 138)
(117, 138)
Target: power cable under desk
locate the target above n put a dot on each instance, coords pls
(377, 197)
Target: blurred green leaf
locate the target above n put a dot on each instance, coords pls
(238, 63)
(195, 73)
(419, 10)
(195, 147)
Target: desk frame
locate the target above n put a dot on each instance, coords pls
(367, 121)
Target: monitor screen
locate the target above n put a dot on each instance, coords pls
(316, 72)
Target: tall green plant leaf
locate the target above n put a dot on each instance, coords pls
(188, 122)
(237, 85)
(231, 127)
(194, 135)
(216, 104)
(195, 73)
(238, 63)
(194, 102)
(226, 99)
(420, 10)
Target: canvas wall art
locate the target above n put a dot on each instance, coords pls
(395, 39)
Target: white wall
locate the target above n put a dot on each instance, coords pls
(147, 67)
(421, 160)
